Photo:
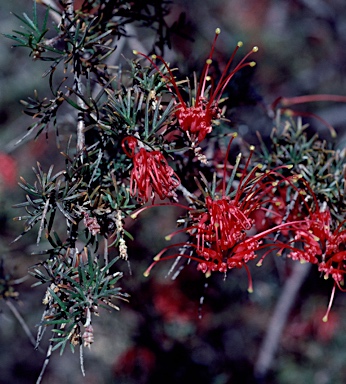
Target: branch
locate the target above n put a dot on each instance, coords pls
(78, 85)
(278, 320)
(21, 321)
(45, 363)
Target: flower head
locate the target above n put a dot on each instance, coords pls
(323, 246)
(196, 118)
(150, 173)
(221, 225)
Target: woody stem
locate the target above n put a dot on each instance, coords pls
(278, 320)
(78, 85)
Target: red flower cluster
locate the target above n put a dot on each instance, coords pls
(324, 247)
(196, 119)
(150, 174)
(220, 231)
(227, 228)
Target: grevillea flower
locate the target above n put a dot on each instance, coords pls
(196, 118)
(220, 227)
(325, 247)
(150, 173)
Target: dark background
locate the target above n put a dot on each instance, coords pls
(158, 336)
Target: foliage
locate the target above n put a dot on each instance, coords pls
(141, 135)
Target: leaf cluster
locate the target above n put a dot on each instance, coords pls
(33, 36)
(77, 287)
(318, 162)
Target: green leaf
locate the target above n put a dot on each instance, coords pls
(128, 234)
(57, 299)
(55, 322)
(30, 23)
(65, 213)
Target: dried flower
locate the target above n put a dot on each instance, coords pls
(88, 336)
(91, 223)
(123, 249)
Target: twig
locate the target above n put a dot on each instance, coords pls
(22, 322)
(81, 359)
(68, 22)
(80, 123)
(278, 320)
(78, 85)
(46, 361)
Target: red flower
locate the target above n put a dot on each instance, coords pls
(150, 174)
(220, 228)
(8, 170)
(333, 251)
(325, 247)
(196, 119)
(137, 360)
(172, 304)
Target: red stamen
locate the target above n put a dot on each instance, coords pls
(224, 82)
(140, 210)
(291, 112)
(286, 101)
(150, 172)
(197, 119)
(250, 286)
(325, 317)
(255, 169)
(204, 75)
